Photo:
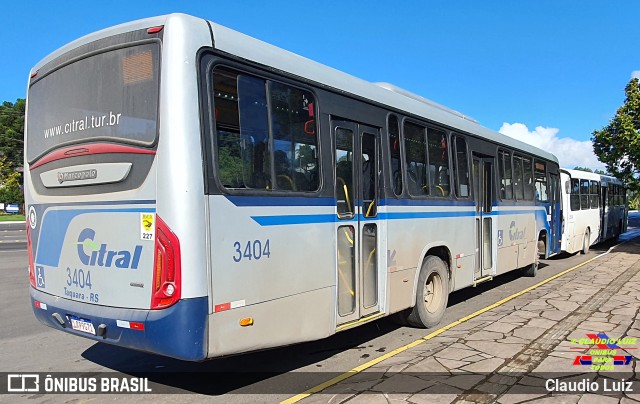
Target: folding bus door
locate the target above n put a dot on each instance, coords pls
(485, 220)
(357, 168)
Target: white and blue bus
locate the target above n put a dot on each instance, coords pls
(194, 192)
(594, 209)
(581, 210)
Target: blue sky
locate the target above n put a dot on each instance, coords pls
(546, 72)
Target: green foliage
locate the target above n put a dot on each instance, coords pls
(11, 148)
(12, 131)
(617, 145)
(587, 169)
(10, 191)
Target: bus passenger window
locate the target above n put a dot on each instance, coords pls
(461, 174)
(416, 159)
(594, 195)
(294, 138)
(506, 186)
(394, 148)
(438, 162)
(540, 175)
(529, 188)
(518, 181)
(584, 194)
(266, 134)
(254, 132)
(574, 198)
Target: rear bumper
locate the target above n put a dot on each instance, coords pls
(179, 331)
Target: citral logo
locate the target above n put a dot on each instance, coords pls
(91, 253)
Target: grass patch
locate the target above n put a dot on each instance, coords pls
(9, 217)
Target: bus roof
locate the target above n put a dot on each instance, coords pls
(249, 48)
(585, 175)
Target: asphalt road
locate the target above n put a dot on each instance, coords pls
(12, 236)
(268, 376)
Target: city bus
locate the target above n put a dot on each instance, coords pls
(194, 192)
(581, 210)
(594, 209)
(615, 209)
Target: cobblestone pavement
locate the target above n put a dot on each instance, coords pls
(520, 350)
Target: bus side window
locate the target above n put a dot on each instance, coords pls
(518, 182)
(594, 191)
(461, 174)
(416, 159)
(394, 148)
(266, 134)
(540, 175)
(574, 198)
(529, 188)
(438, 162)
(584, 194)
(504, 162)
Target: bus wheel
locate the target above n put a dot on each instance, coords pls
(586, 242)
(432, 294)
(532, 269)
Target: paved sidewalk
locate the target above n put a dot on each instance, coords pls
(520, 350)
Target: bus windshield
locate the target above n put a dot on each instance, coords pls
(109, 96)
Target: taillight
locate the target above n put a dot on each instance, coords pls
(166, 267)
(32, 272)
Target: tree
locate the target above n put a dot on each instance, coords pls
(617, 145)
(12, 131)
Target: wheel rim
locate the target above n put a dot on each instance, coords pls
(433, 293)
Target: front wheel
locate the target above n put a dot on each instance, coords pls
(432, 294)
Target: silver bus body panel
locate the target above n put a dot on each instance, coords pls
(182, 206)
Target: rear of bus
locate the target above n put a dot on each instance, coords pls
(113, 186)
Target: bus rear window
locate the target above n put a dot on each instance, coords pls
(109, 96)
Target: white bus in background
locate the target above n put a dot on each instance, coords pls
(614, 208)
(194, 192)
(581, 210)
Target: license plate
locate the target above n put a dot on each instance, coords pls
(80, 324)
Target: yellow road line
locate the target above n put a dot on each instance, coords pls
(435, 333)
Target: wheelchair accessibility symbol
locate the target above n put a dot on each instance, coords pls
(500, 238)
(40, 276)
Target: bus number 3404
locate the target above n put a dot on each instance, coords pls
(79, 278)
(253, 249)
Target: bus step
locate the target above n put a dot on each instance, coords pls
(480, 280)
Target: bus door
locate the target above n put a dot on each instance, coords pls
(357, 167)
(485, 220)
(556, 221)
(604, 210)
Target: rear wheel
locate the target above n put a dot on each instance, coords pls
(586, 242)
(432, 294)
(532, 269)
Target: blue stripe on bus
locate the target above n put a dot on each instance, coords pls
(54, 229)
(283, 220)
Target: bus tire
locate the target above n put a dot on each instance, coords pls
(532, 270)
(432, 294)
(586, 242)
